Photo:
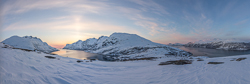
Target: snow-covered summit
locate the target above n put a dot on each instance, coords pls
(126, 45)
(129, 39)
(29, 43)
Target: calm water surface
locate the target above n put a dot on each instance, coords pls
(78, 54)
(212, 52)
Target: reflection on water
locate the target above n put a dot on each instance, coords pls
(212, 52)
(78, 54)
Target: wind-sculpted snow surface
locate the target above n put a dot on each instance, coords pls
(125, 45)
(29, 43)
(21, 67)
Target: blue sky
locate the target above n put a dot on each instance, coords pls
(59, 22)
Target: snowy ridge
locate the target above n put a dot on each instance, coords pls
(125, 45)
(226, 44)
(29, 43)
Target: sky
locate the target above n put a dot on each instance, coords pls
(61, 22)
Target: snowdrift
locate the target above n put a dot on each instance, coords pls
(21, 67)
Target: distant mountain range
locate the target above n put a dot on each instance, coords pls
(233, 40)
(176, 44)
(226, 44)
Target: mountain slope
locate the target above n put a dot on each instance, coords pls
(125, 45)
(29, 43)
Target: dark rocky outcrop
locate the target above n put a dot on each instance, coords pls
(92, 59)
(199, 59)
(53, 54)
(136, 59)
(78, 61)
(239, 59)
(50, 57)
(215, 62)
(177, 62)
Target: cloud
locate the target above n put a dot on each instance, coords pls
(82, 6)
(151, 6)
(178, 37)
(200, 26)
(228, 8)
(241, 22)
(149, 23)
(152, 27)
(27, 26)
(203, 16)
(69, 23)
(144, 14)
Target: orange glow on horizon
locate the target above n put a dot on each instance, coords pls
(58, 45)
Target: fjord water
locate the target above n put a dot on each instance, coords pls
(212, 52)
(78, 54)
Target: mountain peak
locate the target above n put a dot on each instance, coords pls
(29, 43)
(122, 35)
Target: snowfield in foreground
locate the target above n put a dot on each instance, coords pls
(22, 67)
(29, 43)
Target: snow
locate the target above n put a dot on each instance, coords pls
(124, 45)
(29, 43)
(22, 67)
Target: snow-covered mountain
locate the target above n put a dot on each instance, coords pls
(175, 44)
(226, 44)
(29, 43)
(125, 45)
(89, 44)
